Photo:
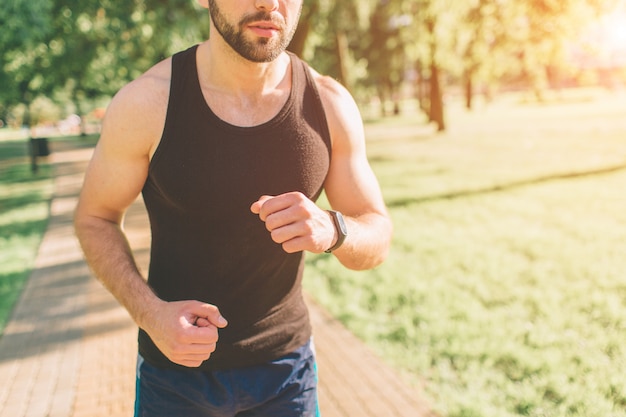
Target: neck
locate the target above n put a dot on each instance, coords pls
(241, 92)
(223, 69)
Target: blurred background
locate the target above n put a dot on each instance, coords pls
(64, 58)
(497, 129)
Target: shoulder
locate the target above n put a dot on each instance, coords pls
(151, 87)
(141, 97)
(343, 115)
(331, 91)
(136, 114)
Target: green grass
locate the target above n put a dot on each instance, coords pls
(505, 289)
(24, 212)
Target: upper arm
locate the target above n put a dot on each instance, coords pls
(119, 167)
(351, 186)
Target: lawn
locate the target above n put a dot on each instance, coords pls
(24, 212)
(505, 288)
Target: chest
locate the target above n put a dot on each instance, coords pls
(219, 171)
(217, 156)
(246, 111)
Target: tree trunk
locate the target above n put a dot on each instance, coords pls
(469, 89)
(436, 98)
(299, 39)
(421, 88)
(304, 28)
(382, 97)
(342, 58)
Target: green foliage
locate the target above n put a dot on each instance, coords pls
(80, 51)
(23, 22)
(24, 25)
(504, 289)
(87, 49)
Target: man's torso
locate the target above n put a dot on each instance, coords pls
(207, 245)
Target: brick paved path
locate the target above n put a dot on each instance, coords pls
(69, 350)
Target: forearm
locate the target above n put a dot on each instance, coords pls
(109, 255)
(367, 243)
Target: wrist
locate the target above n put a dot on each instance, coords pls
(148, 311)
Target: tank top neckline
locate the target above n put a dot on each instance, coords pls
(222, 124)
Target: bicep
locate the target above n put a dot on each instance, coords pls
(112, 182)
(351, 186)
(119, 166)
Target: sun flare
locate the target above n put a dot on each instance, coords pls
(602, 43)
(614, 29)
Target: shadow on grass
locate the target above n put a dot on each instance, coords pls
(11, 285)
(401, 202)
(25, 197)
(20, 172)
(24, 228)
(20, 150)
(21, 200)
(13, 149)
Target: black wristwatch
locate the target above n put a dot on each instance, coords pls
(340, 226)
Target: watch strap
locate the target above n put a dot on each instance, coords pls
(340, 227)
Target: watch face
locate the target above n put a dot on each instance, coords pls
(342, 224)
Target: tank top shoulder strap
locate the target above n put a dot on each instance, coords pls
(183, 97)
(183, 73)
(312, 99)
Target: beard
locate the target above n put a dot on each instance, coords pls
(255, 50)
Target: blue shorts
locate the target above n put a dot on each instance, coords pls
(285, 387)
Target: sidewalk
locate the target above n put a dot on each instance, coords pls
(69, 350)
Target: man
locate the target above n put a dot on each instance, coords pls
(230, 143)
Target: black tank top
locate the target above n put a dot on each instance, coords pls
(206, 244)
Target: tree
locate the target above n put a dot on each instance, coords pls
(24, 25)
(310, 11)
(431, 20)
(83, 31)
(480, 32)
(336, 43)
(343, 22)
(386, 53)
(519, 40)
(435, 109)
(87, 49)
